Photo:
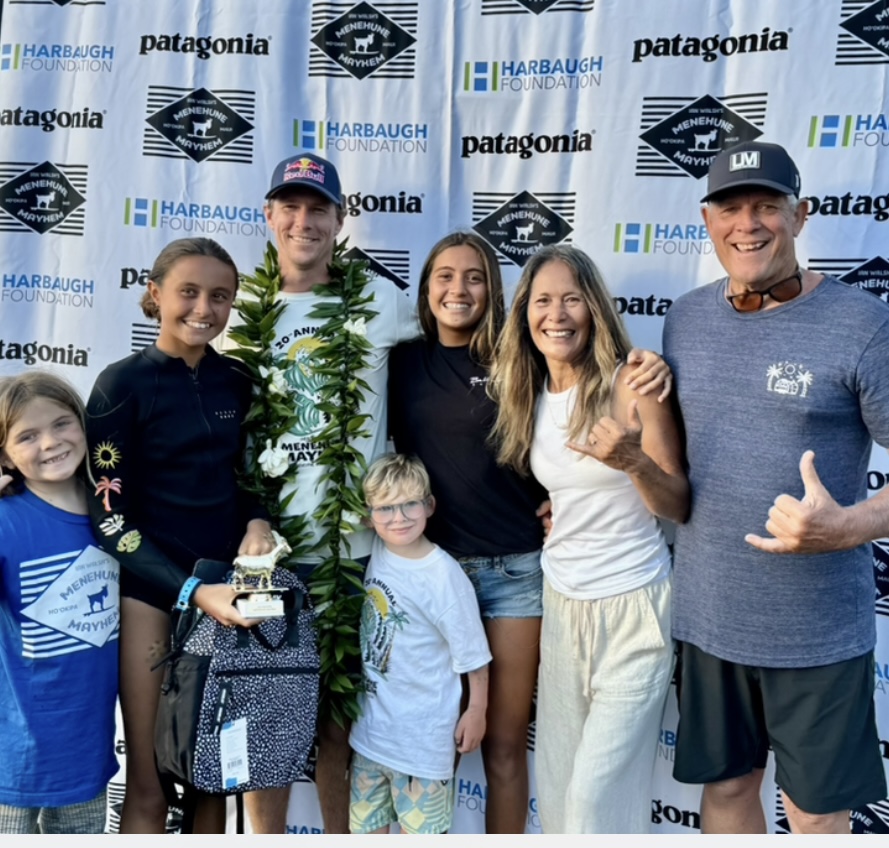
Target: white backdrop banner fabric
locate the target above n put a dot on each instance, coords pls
(125, 125)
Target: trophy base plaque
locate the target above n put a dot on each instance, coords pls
(260, 605)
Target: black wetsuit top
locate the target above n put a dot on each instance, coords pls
(164, 447)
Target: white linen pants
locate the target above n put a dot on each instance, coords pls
(605, 668)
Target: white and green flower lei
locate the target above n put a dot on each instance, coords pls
(338, 359)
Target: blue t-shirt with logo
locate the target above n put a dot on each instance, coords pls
(756, 391)
(59, 626)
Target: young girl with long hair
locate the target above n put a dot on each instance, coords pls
(59, 618)
(488, 516)
(611, 460)
(164, 428)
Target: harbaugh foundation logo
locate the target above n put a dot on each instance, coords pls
(42, 198)
(863, 36)
(57, 58)
(695, 131)
(199, 124)
(836, 131)
(518, 225)
(531, 74)
(368, 136)
(359, 40)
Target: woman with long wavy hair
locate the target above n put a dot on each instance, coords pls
(611, 460)
(486, 515)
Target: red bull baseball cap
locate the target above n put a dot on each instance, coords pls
(754, 164)
(306, 170)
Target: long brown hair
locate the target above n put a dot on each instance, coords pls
(171, 254)
(519, 372)
(484, 336)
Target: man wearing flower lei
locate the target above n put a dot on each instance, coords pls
(318, 338)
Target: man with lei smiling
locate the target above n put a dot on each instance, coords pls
(304, 209)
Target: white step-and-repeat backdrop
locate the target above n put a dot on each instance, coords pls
(124, 125)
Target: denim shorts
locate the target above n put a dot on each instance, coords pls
(509, 586)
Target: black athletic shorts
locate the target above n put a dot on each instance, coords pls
(819, 721)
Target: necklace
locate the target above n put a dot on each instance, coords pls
(559, 402)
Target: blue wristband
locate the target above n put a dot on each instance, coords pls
(186, 592)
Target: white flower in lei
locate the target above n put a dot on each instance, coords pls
(357, 326)
(273, 461)
(275, 380)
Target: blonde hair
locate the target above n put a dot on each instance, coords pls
(519, 371)
(171, 254)
(484, 335)
(17, 392)
(395, 471)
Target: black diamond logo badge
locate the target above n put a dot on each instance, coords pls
(41, 198)
(521, 226)
(874, 818)
(356, 254)
(872, 276)
(880, 550)
(692, 137)
(199, 124)
(537, 6)
(362, 40)
(871, 25)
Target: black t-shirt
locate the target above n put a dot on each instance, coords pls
(439, 410)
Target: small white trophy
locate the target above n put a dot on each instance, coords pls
(253, 579)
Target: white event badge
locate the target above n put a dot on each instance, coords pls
(233, 751)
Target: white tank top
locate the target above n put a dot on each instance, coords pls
(604, 541)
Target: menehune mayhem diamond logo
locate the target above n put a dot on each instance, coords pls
(199, 124)
(360, 40)
(43, 197)
(863, 36)
(870, 275)
(683, 135)
(392, 265)
(518, 225)
(535, 7)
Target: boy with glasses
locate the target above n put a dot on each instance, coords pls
(774, 366)
(420, 630)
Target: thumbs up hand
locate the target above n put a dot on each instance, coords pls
(616, 445)
(812, 525)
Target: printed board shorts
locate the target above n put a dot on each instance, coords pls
(382, 796)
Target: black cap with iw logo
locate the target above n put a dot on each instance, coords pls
(753, 164)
